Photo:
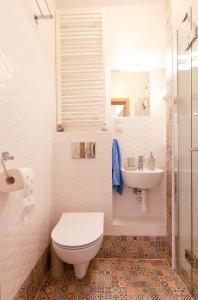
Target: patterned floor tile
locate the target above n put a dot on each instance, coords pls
(118, 279)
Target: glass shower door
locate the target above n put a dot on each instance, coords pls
(188, 150)
(184, 144)
(194, 151)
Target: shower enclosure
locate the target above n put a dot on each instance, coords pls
(187, 149)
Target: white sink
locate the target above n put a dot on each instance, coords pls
(143, 180)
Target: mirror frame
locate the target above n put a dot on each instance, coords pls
(122, 101)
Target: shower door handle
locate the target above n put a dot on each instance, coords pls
(194, 149)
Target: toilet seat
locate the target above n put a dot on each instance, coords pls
(79, 247)
(77, 231)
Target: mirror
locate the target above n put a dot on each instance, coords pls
(130, 94)
(83, 150)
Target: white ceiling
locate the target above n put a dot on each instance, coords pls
(82, 3)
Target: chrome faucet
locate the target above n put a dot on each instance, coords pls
(140, 163)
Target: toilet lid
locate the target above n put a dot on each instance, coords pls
(78, 229)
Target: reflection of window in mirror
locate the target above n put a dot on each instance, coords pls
(120, 107)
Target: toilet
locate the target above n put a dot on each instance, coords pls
(77, 238)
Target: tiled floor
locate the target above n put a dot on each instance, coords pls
(118, 279)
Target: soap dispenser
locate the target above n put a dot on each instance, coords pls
(151, 162)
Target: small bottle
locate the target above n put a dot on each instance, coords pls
(151, 162)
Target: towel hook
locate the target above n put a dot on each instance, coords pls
(6, 156)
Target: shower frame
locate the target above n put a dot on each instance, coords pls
(186, 152)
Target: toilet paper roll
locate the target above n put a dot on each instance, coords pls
(12, 183)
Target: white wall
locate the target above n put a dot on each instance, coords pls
(27, 123)
(136, 33)
(83, 184)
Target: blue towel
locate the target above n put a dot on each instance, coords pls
(117, 180)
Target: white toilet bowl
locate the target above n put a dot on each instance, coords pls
(77, 238)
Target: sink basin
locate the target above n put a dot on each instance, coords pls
(143, 180)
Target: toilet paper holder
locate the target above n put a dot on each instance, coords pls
(4, 157)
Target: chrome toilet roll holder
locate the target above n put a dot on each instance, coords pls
(4, 157)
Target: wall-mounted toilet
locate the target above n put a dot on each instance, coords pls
(77, 238)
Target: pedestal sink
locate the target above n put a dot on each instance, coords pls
(143, 180)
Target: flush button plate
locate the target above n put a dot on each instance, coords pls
(84, 150)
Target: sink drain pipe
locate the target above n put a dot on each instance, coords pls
(141, 197)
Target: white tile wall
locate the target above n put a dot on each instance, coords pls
(27, 122)
(140, 136)
(80, 184)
